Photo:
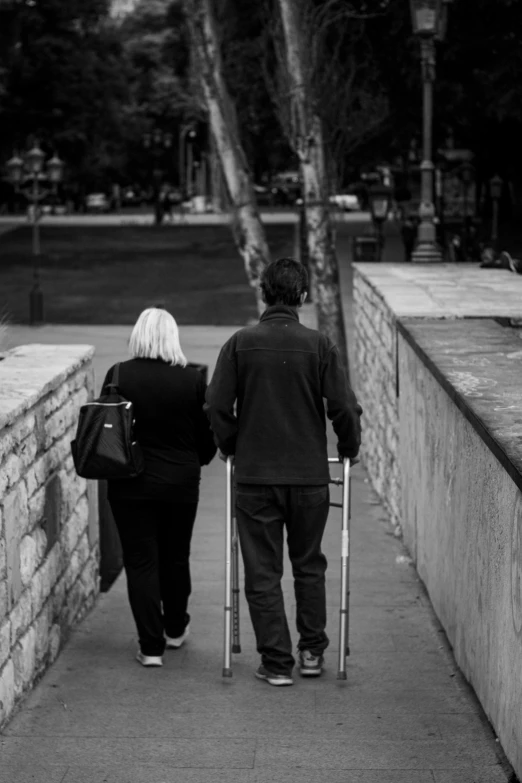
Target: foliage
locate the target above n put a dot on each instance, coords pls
(63, 82)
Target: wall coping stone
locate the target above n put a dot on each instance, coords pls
(444, 290)
(29, 372)
(478, 363)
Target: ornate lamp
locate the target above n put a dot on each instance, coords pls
(55, 169)
(35, 159)
(380, 203)
(495, 187)
(15, 169)
(425, 16)
(429, 20)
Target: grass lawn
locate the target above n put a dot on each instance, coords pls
(107, 275)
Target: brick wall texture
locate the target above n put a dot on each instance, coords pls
(376, 382)
(48, 515)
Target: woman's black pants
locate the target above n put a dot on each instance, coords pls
(155, 537)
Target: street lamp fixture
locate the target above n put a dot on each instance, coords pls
(380, 203)
(429, 20)
(31, 170)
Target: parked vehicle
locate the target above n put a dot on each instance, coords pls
(97, 202)
(349, 202)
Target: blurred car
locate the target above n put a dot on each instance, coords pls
(131, 198)
(97, 202)
(349, 202)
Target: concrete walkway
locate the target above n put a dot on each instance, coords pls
(403, 716)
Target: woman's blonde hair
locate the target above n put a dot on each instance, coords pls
(156, 336)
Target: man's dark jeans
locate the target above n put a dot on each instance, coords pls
(262, 514)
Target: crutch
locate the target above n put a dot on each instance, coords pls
(232, 643)
(345, 482)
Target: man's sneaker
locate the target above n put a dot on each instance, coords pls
(273, 679)
(149, 660)
(310, 665)
(175, 642)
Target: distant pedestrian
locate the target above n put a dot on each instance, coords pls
(155, 512)
(279, 374)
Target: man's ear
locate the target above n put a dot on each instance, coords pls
(303, 297)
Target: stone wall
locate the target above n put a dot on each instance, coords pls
(462, 523)
(48, 515)
(375, 381)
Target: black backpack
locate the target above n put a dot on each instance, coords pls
(104, 447)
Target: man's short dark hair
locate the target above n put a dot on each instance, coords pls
(283, 282)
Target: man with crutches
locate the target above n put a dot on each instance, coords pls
(279, 374)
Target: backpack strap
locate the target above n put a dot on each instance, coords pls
(115, 377)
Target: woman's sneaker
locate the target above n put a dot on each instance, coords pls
(149, 660)
(175, 642)
(273, 679)
(310, 665)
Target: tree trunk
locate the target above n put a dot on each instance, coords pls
(248, 230)
(307, 141)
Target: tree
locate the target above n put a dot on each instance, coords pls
(248, 229)
(304, 127)
(64, 82)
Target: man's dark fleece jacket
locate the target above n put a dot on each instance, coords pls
(280, 373)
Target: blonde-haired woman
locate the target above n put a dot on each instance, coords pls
(155, 512)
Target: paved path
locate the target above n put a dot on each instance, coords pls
(403, 716)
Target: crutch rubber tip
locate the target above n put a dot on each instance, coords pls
(341, 675)
(227, 672)
(236, 648)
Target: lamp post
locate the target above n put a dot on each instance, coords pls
(27, 174)
(495, 189)
(380, 202)
(467, 175)
(157, 143)
(429, 18)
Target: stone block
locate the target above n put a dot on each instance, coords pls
(4, 600)
(27, 452)
(73, 487)
(36, 508)
(64, 418)
(16, 514)
(75, 525)
(21, 615)
(28, 559)
(5, 641)
(91, 575)
(58, 599)
(24, 659)
(57, 398)
(54, 642)
(3, 560)
(7, 691)
(77, 561)
(73, 604)
(59, 451)
(94, 517)
(42, 627)
(52, 519)
(15, 434)
(36, 474)
(40, 539)
(10, 472)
